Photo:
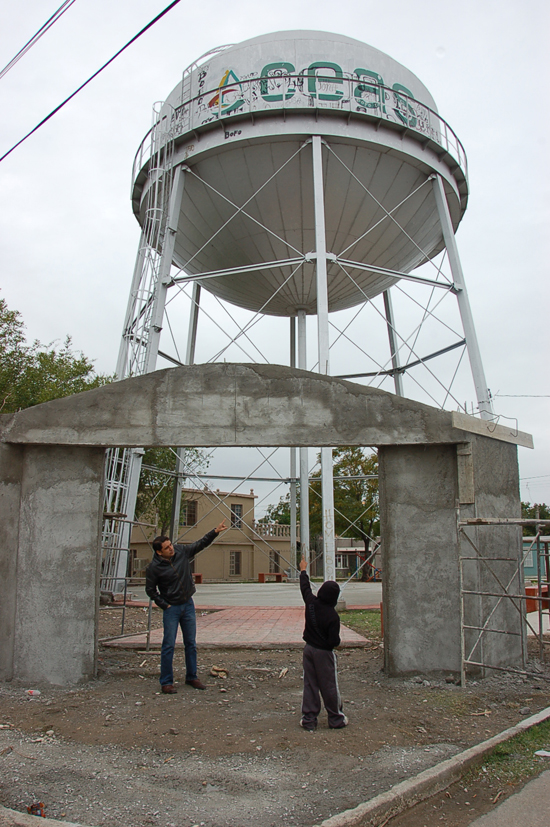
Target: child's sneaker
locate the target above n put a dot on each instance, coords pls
(308, 727)
(342, 725)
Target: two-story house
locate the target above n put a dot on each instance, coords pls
(245, 550)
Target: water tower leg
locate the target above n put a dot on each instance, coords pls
(304, 452)
(397, 378)
(193, 322)
(180, 452)
(163, 280)
(327, 482)
(176, 499)
(293, 468)
(482, 391)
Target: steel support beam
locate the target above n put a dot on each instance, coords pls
(293, 466)
(390, 322)
(193, 323)
(327, 486)
(163, 281)
(474, 354)
(180, 452)
(304, 452)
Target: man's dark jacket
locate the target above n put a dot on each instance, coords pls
(322, 629)
(170, 582)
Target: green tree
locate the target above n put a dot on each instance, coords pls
(280, 513)
(157, 480)
(537, 511)
(31, 374)
(356, 506)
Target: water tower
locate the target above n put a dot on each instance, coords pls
(294, 174)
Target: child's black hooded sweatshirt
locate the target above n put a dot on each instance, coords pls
(322, 629)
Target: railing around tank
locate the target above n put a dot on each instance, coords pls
(358, 95)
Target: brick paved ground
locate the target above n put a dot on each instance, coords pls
(244, 627)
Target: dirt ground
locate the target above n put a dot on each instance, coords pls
(116, 751)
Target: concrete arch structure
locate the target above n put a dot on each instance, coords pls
(434, 466)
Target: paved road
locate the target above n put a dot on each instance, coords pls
(528, 808)
(272, 594)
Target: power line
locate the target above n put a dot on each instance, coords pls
(36, 37)
(61, 105)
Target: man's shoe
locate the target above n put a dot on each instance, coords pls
(168, 689)
(308, 727)
(196, 684)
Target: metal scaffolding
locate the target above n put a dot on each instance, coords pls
(491, 601)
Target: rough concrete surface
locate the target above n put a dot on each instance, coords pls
(246, 404)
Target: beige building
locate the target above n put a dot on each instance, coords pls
(243, 552)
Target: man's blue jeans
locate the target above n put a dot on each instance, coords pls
(184, 616)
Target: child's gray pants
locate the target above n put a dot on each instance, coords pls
(320, 676)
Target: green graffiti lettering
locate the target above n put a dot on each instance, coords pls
(314, 78)
(403, 109)
(373, 87)
(277, 72)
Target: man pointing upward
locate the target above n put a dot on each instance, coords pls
(169, 583)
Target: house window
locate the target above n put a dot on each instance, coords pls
(273, 562)
(234, 563)
(236, 515)
(188, 512)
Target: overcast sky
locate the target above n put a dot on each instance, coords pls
(68, 237)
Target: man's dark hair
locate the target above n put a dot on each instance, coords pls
(158, 541)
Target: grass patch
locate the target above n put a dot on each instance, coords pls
(365, 622)
(515, 760)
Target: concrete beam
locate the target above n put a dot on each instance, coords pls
(232, 405)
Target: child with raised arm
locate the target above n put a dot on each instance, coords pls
(322, 635)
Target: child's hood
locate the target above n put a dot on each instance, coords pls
(328, 593)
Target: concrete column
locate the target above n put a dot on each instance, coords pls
(58, 560)
(424, 491)
(421, 591)
(11, 472)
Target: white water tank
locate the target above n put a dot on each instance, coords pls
(241, 122)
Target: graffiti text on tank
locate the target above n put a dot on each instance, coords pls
(322, 80)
